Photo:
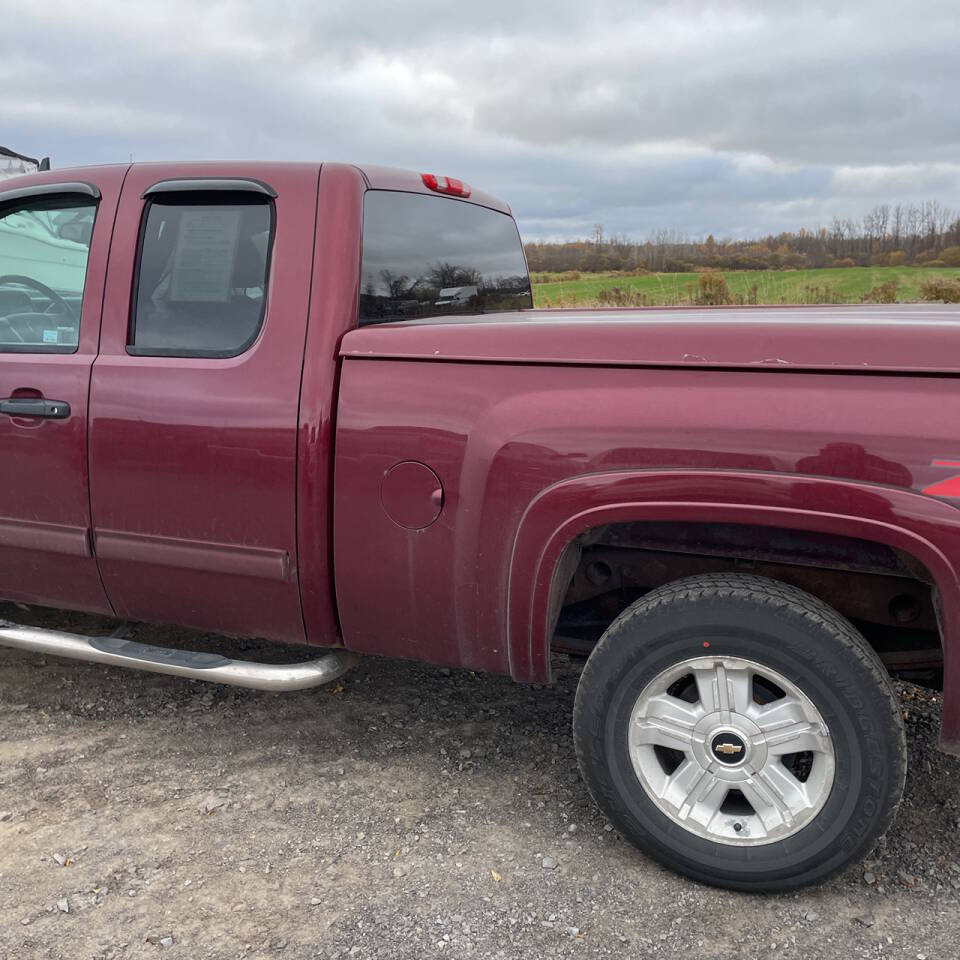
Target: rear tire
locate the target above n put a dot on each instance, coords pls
(741, 732)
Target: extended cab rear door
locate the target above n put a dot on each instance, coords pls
(54, 243)
(193, 434)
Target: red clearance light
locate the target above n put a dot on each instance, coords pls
(455, 188)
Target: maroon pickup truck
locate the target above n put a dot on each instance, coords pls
(313, 404)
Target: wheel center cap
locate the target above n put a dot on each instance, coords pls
(729, 745)
(728, 748)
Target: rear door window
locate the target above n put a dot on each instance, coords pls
(427, 256)
(44, 249)
(201, 277)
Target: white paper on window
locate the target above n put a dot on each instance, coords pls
(206, 249)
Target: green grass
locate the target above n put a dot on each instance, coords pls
(848, 284)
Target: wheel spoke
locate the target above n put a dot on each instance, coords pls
(724, 689)
(797, 738)
(694, 793)
(787, 728)
(788, 790)
(667, 722)
(764, 805)
(709, 687)
(768, 802)
(740, 689)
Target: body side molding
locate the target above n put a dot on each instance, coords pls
(48, 537)
(243, 561)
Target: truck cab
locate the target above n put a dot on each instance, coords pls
(164, 486)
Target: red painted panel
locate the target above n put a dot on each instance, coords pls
(333, 311)
(193, 461)
(499, 435)
(45, 556)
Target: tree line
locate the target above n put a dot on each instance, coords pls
(889, 235)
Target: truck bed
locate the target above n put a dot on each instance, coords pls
(902, 338)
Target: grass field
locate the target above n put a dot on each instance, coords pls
(843, 285)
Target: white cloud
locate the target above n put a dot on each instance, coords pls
(730, 117)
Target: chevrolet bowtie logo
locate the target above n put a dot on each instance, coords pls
(728, 748)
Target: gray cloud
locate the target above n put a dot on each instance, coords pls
(732, 118)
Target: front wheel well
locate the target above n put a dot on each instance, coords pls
(888, 595)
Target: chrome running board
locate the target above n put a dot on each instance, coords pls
(120, 652)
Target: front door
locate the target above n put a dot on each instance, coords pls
(54, 242)
(194, 397)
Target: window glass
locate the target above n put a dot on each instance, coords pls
(44, 248)
(201, 278)
(429, 256)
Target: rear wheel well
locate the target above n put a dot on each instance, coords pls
(889, 595)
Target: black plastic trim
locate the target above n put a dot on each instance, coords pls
(134, 351)
(216, 184)
(34, 407)
(48, 190)
(38, 348)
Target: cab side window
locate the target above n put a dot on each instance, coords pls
(44, 249)
(202, 274)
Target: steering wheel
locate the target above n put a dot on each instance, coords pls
(42, 289)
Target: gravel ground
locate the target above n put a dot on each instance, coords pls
(409, 811)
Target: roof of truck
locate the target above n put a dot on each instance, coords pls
(375, 177)
(393, 178)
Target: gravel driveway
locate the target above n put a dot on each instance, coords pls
(408, 811)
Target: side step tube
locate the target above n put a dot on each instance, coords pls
(118, 652)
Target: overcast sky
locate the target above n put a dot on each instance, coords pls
(734, 117)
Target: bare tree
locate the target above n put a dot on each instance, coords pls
(916, 233)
